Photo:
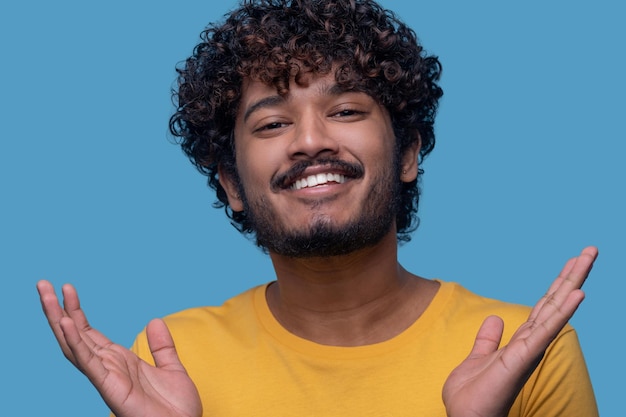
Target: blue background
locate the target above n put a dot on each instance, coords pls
(527, 170)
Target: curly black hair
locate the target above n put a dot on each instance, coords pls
(278, 41)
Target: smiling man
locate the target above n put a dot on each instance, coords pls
(310, 119)
(317, 170)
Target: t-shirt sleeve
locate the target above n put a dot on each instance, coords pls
(560, 386)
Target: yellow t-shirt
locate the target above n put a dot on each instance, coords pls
(245, 363)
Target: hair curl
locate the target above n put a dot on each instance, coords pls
(276, 41)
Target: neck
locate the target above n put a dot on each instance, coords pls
(355, 299)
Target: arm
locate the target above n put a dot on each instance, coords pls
(488, 381)
(130, 386)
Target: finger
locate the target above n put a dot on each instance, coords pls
(560, 306)
(553, 287)
(54, 313)
(488, 337)
(571, 278)
(49, 302)
(582, 267)
(71, 304)
(568, 267)
(162, 346)
(83, 351)
(73, 309)
(571, 283)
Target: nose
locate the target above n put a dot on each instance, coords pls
(312, 138)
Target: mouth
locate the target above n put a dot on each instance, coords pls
(309, 174)
(317, 180)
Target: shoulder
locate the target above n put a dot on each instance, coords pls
(233, 312)
(460, 300)
(208, 328)
(463, 308)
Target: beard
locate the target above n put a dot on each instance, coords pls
(323, 238)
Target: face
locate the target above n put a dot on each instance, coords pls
(318, 175)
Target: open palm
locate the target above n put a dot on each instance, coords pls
(487, 382)
(130, 386)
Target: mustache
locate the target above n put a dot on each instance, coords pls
(285, 179)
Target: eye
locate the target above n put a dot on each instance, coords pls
(348, 114)
(271, 126)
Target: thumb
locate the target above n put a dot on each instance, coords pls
(488, 338)
(162, 346)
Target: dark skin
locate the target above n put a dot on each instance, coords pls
(342, 306)
(358, 298)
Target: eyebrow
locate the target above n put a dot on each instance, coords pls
(264, 102)
(329, 90)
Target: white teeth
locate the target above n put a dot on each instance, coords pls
(319, 179)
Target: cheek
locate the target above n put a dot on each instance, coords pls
(257, 164)
(374, 150)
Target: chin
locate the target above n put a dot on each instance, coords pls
(323, 239)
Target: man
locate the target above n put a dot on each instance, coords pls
(310, 119)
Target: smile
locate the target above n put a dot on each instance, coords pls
(318, 179)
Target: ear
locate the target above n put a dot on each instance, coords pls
(229, 185)
(409, 164)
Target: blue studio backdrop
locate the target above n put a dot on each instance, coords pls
(528, 169)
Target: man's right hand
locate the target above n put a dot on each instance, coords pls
(130, 386)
